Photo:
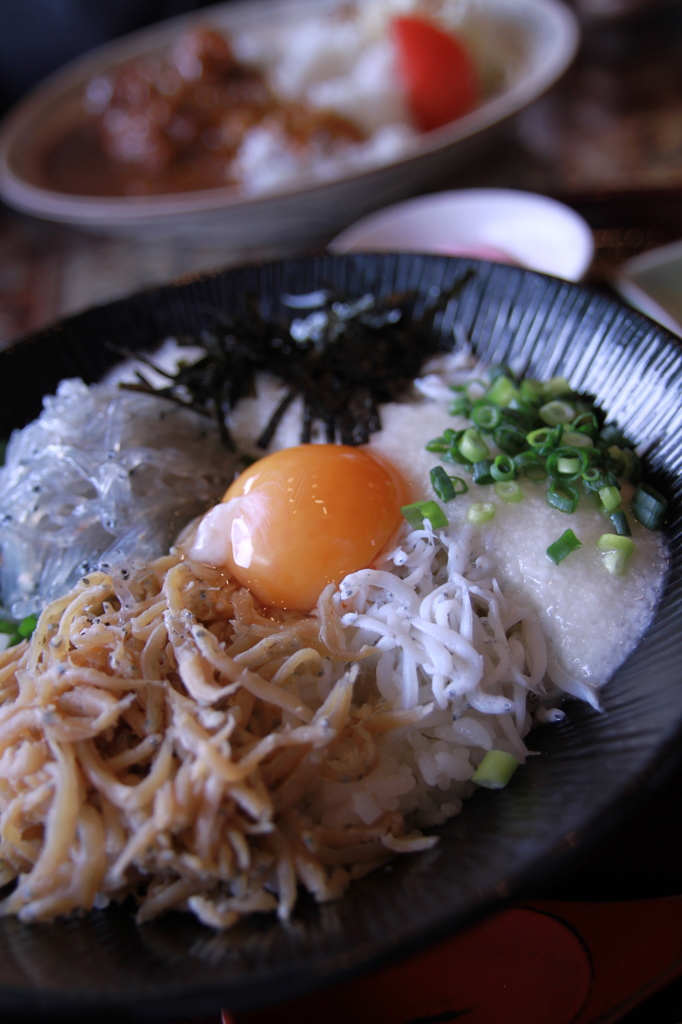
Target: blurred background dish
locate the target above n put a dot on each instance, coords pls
(652, 283)
(529, 42)
(503, 225)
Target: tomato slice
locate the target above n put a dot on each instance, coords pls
(437, 70)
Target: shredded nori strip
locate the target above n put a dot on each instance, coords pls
(344, 356)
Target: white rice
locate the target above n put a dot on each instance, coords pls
(345, 61)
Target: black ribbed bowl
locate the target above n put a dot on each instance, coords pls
(593, 767)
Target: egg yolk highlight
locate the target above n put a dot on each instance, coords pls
(301, 518)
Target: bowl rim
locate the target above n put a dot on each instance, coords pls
(361, 235)
(559, 45)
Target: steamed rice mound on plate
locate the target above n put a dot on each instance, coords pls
(165, 736)
(324, 94)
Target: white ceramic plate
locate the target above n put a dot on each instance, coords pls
(652, 283)
(536, 40)
(502, 225)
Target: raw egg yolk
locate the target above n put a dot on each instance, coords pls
(301, 518)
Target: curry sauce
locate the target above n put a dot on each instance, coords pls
(176, 123)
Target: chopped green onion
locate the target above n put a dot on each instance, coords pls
(509, 491)
(18, 631)
(453, 454)
(648, 507)
(532, 390)
(610, 497)
(413, 514)
(558, 386)
(567, 463)
(503, 468)
(438, 444)
(442, 484)
(562, 496)
(617, 552)
(510, 439)
(460, 406)
(482, 472)
(418, 511)
(562, 547)
(529, 464)
(615, 562)
(554, 440)
(582, 403)
(586, 424)
(543, 430)
(27, 626)
(495, 770)
(594, 480)
(472, 446)
(576, 440)
(555, 412)
(569, 467)
(621, 524)
(612, 465)
(502, 390)
(628, 464)
(593, 456)
(538, 437)
(545, 439)
(523, 413)
(481, 512)
(485, 414)
(616, 542)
